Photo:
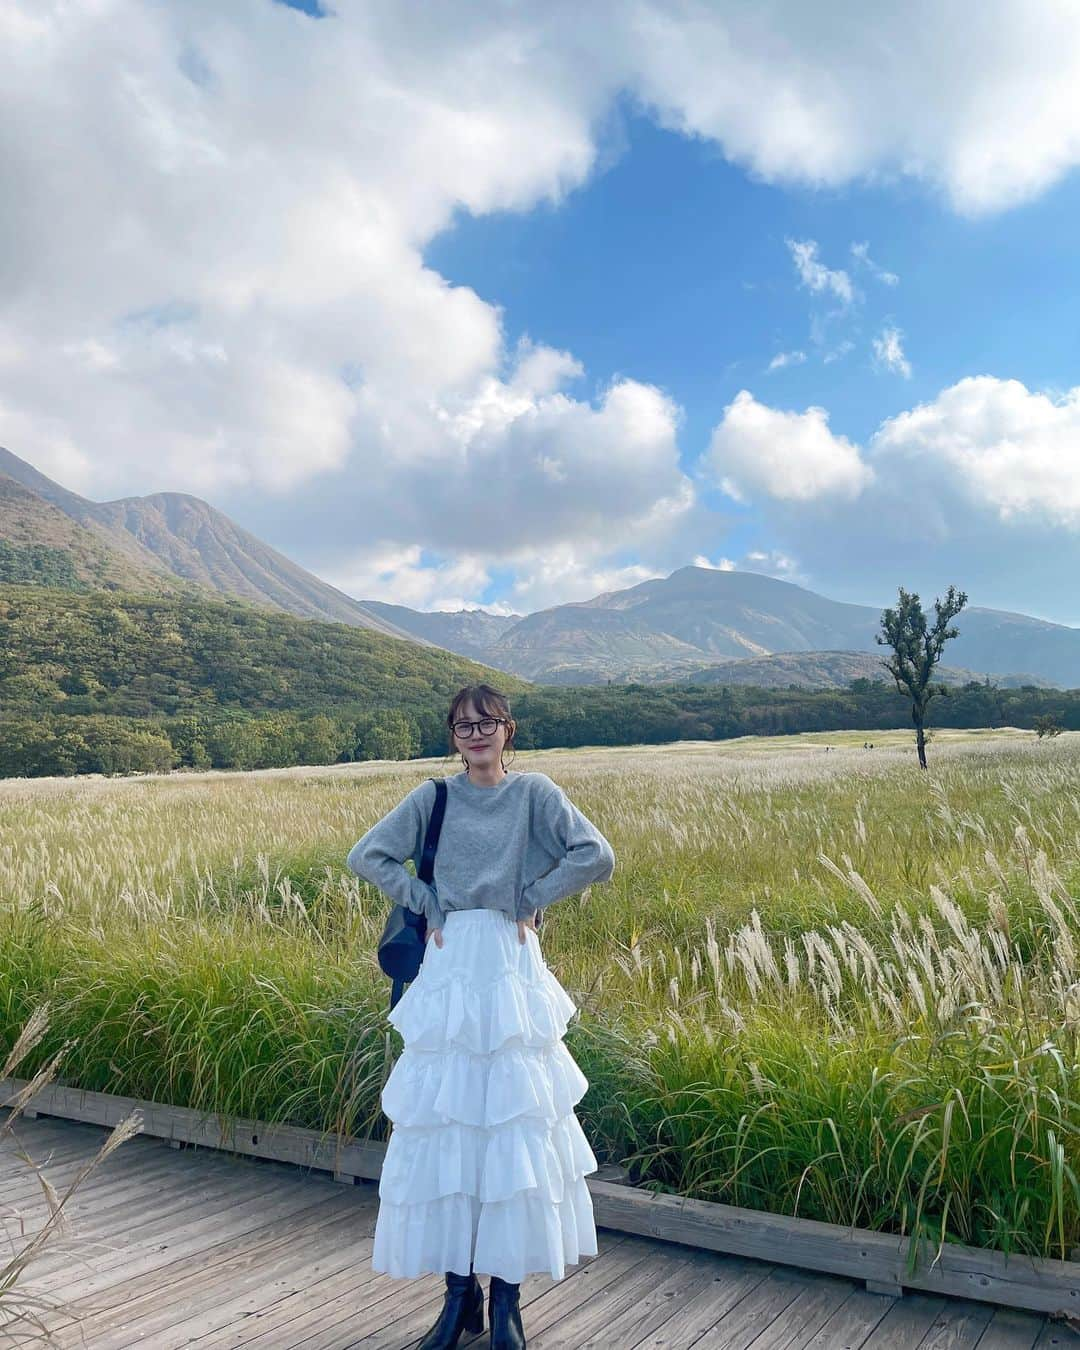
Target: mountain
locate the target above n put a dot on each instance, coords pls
(696, 622)
(150, 544)
(148, 656)
(697, 618)
(466, 631)
(815, 670)
(40, 542)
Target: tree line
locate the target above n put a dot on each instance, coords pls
(112, 683)
(547, 716)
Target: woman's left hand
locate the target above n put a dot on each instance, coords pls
(525, 924)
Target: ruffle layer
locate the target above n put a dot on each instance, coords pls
(440, 1087)
(486, 1160)
(513, 1238)
(491, 1164)
(482, 1017)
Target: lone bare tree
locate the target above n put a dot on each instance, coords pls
(917, 650)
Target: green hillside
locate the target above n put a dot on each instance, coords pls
(106, 682)
(110, 682)
(137, 656)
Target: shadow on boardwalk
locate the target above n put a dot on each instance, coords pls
(180, 1247)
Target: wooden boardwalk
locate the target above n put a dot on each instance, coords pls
(191, 1247)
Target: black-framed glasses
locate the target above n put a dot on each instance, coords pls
(486, 727)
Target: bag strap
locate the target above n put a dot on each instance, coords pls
(426, 870)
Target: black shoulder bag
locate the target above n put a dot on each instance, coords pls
(401, 947)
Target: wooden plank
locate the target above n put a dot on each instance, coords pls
(116, 1175)
(733, 1280)
(159, 1180)
(44, 1127)
(47, 1153)
(736, 1329)
(640, 1322)
(185, 1208)
(233, 1296)
(803, 1318)
(1011, 1330)
(852, 1323)
(906, 1323)
(395, 1332)
(90, 1137)
(1039, 1285)
(392, 1303)
(586, 1321)
(196, 1245)
(545, 1302)
(959, 1326)
(154, 1304)
(1057, 1335)
(1036, 1284)
(104, 1235)
(285, 1143)
(343, 1303)
(326, 1299)
(192, 1247)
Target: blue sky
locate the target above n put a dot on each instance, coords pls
(509, 305)
(672, 265)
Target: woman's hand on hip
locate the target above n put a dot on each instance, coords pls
(435, 933)
(525, 924)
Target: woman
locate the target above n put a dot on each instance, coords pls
(484, 1172)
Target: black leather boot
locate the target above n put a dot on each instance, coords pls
(463, 1310)
(504, 1316)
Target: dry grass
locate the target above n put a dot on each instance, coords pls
(820, 982)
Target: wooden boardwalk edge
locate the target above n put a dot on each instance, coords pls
(1036, 1284)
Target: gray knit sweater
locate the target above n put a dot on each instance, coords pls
(516, 846)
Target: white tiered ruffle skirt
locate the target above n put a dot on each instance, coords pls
(486, 1161)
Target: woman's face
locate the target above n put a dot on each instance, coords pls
(483, 751)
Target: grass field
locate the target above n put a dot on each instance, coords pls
(820, 982)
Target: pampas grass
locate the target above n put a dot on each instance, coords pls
(822, 983)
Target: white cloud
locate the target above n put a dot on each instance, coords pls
(861, 254)
(979, 487)
(813, 273)
(782, 359)
(787, 456)
(560, 576)
(995, 443)
(397, 576)
(984, 111)
(771, 562)
(543, 470)
(838, 352)
(213, 281)
(985, 443)
(774, 563)
(889, 352)
(212, 250)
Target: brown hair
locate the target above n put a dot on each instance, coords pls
(489, 703)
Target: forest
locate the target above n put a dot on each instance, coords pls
(109, 683)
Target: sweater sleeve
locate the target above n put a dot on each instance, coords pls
(379, 856)
(586, 856)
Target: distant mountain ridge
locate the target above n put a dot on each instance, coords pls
(464, 632)
(153, 543)
(698, 622)
(699, 618)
